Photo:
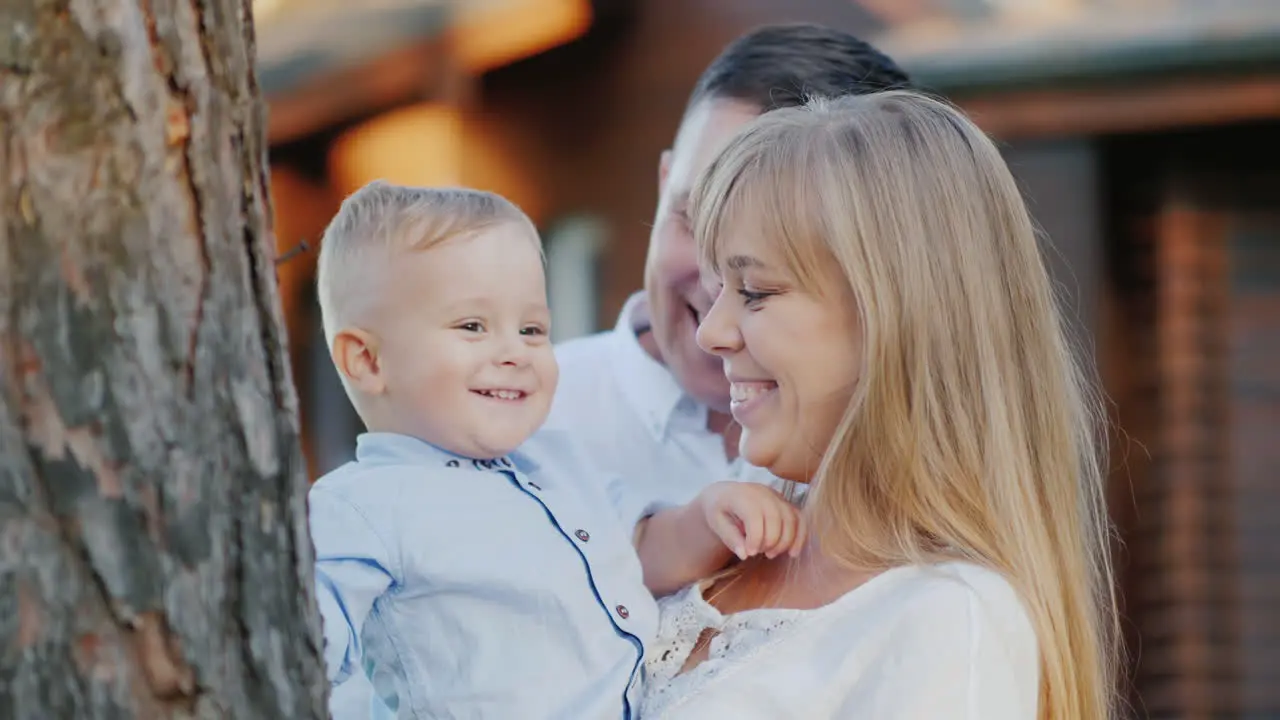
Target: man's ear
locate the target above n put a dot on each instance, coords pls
(664, 169)
(355, 355)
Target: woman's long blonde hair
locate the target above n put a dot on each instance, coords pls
(973, 433)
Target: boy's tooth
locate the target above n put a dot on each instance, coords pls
(503, 394)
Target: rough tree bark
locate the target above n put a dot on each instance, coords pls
(154, 560)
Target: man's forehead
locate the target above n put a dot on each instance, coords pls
(706, 129)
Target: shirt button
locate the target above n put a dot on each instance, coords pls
(623, 612)
(583, 535)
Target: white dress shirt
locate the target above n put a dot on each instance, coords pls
(944, 642)
(628, 413)
(479, 589)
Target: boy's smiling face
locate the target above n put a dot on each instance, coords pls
(462, 343)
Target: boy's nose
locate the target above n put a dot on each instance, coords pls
(514, 352)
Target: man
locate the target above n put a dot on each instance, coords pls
(643, 398)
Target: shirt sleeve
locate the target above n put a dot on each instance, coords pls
(964, 654)
(353, 569)
(629, 505)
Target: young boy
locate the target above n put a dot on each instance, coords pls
(468, 566)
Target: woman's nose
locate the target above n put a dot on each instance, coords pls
(718, 332)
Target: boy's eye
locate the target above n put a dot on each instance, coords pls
(473, 326)
(533, 330)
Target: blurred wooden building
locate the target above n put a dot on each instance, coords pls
(1146, 134)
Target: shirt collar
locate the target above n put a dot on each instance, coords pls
(647, 385)
(384, 447)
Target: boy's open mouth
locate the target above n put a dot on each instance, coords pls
(507, 395)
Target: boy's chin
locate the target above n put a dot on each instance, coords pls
(497, 432)
(498, 445)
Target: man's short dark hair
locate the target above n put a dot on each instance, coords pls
(784, 65)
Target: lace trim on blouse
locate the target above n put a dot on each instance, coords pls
(684, 618)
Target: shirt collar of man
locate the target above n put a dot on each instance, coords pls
(646, 384)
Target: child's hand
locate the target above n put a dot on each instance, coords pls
(752, 519)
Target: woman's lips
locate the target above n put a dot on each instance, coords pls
(747, 396)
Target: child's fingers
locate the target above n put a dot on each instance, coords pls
(802, 534)
(755, 526)
(773, 517)
(755, 529)
(786, 533)
(726, 527)
(774, 527)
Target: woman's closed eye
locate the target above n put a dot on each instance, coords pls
(753, 298)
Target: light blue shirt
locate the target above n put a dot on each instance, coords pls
(630, 416)
(480, 589)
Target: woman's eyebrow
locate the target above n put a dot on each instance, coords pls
(742, 262)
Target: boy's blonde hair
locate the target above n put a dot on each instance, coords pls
(381, 219)
(974, 432)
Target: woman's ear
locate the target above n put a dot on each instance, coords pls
(355, 355)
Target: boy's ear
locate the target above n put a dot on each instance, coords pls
(355, 355)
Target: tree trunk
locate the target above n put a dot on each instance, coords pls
(154, 556)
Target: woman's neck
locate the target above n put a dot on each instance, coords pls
(807, 582)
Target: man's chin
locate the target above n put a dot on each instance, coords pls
(718, 403)
(710, 391)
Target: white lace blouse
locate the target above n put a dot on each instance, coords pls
(945, 642)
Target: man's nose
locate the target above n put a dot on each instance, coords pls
(718, 332)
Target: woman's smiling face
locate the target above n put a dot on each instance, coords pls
(792, 353)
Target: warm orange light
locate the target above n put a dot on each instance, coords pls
(488, 35)
(417, 145)
(432, 145)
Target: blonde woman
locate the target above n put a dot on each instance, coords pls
(891, 337)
